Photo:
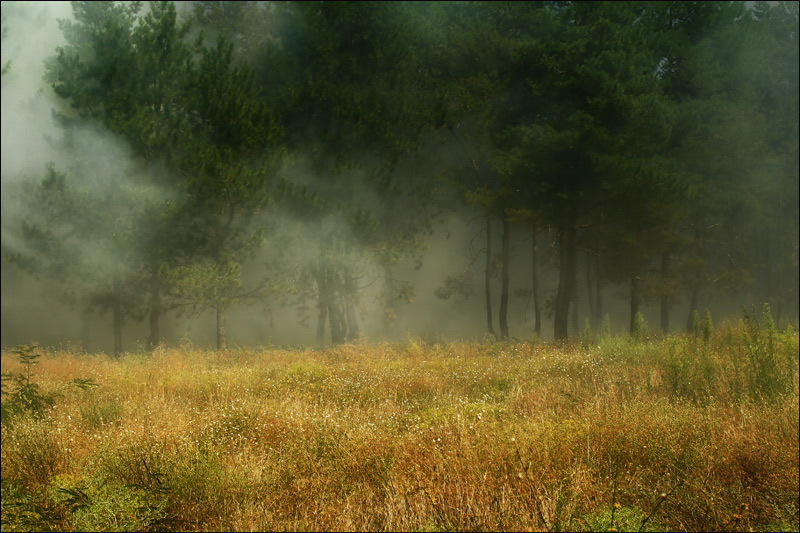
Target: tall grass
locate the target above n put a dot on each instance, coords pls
(657, 433)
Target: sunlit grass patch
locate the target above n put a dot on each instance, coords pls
(414, 436)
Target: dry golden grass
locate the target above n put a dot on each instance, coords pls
(669, 433)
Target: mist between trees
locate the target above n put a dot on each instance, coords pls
(383, 168)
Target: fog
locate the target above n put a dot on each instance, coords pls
(36, 310)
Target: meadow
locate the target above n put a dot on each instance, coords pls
(607, 433)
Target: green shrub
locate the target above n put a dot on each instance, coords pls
(690, 371)
(696, 325)
(618, 519)
(104, 505)
(707, 326)
(771, 357)
(204, 492)
(28, 508)
(141, 463)
(31, 454)
(96, 413)
(24, 396)
(307, 373)
(639, 327)
(231, 424)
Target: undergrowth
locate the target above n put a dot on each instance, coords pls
(651, 433)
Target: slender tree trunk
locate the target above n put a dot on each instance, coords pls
(222, 334)
(85, 322)
(634, 303)
(566, 278)
(692, 308)
(155, 309)
(574, 303)
(331, 306)
(699, 234)
(488, 274)
(321, 317)
(117, 310)
(337, 323)
(336, 315)
(589, 290)
(664, 295)
(388, 295)
(598, 283)
(505, 256)
(353, 331)
(537, 324)
(772, 293)
(322, 304)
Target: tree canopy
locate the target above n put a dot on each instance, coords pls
(303, 152)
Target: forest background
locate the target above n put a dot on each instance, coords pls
(268, 172)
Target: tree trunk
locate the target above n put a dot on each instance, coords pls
(505, 255)
(634, 303)
(323, 301)
(349, 297)
(117, 310)
(692, 309)
(85, 322)
(337, 323)
(388, 295)
(488, 274)
(353, 331)
(321, 317)
(335, 308)
(222, 334)
(574, 303)
(699, 234)
(566, 279)
(664, 295)
(537, 324)
(589, 290)
(598, 283)
(330, 305)
(155, 310)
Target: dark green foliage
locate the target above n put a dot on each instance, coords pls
(639, 327)
(707, 326)
(657, 139)
(24, 396)
(772, 362)
(757, 364)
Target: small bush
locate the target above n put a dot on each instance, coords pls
(639, 327)
(231, 424)
(707, 326)
(31, 454)
(100, 413)
(24, 396)
(29, 509)
(307, 373)
(772, 359)
(111, 506)
(620, 519)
